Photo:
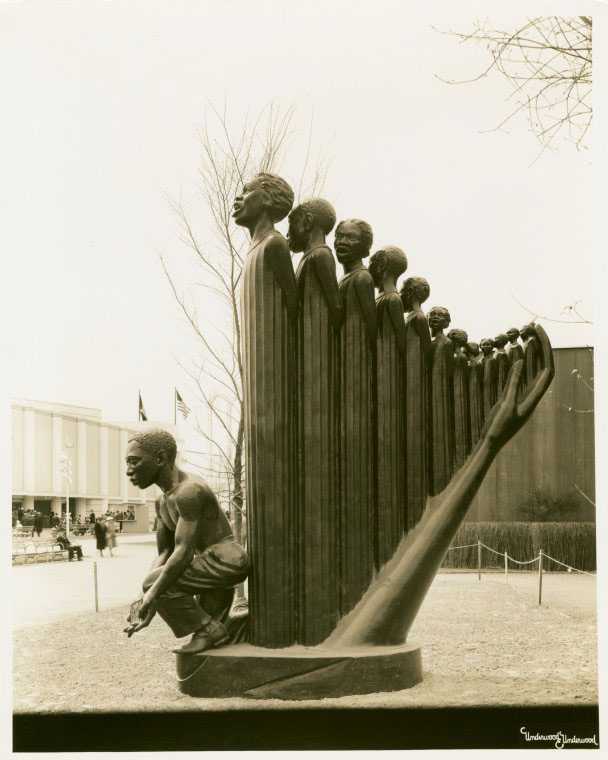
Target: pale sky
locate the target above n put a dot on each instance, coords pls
(101, 105)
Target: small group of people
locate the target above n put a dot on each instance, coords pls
(105, 534)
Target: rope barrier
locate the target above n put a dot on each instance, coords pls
(521, 562)
(585, 572)
(489, 548)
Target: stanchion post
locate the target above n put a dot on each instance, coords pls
(478, 560)
(95, 585)
(506, 566)
(540, 577)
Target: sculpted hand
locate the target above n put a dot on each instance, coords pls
(141, 615)
(509, 413)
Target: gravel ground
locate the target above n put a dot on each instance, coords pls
(485, 643)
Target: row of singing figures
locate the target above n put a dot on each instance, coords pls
(386, 407)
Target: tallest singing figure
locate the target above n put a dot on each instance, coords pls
(269, 306)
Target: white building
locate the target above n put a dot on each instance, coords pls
(43, 433)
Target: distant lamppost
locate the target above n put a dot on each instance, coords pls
(65, 466)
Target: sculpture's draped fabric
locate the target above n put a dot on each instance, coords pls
(476, 399)
(462, 421)
(490, 384)
(515, 353)
(270, 401)
(502, 370)
(391, 425)
(357, 441)
(417, 431)
(317, 388)
(442, 412)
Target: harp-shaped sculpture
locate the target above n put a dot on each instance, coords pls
(357, 482)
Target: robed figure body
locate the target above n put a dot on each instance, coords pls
(357, 529)
(269, 305)
(319, 320)
(414, 293)
(385, 267)
(502, 362)
(475, 391)
(490, 380)
(462, 414)
(515, 351)
(442, 400)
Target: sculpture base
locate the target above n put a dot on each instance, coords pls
(298, 672)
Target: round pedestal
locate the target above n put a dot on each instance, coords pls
(298, 672)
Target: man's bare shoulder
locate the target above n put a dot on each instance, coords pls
(193, 496)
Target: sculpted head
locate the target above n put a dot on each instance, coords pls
(512, 334)
(439, 319)
(265, 193)
(526, 331)
(314, 213)
(458, 337)
(472, 349)
(487, 346)
(414, 290)
(148, 453)
(389, 260)
(500, 341)
(353, 240)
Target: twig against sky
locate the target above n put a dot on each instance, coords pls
(548, 62)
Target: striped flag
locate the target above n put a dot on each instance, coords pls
(143, 417)
(181, 405)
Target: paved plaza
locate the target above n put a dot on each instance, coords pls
(483, 642)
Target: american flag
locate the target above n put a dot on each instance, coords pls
(181, 405)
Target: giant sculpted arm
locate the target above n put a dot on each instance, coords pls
(386, 611)
(278, 252)
(325, 269)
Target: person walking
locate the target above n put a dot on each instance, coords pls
(37, 524)
(100, 535)
(111, 534)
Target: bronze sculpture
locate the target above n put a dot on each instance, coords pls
(191, 581)
(475, 391)
(385, 267)
(531, 351)
(442, 400)
(490, 382)
(414, 293)
(367, 649)
(270, 304)
(516, 352)
(462, 422)
(352, 242)
(502, 361)
(319, 319)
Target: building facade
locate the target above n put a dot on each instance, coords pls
(45, 435)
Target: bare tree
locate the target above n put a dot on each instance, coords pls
(227, 161)
(548, 61)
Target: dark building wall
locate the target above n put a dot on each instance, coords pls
(552, 455)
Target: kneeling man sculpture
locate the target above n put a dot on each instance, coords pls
(355, 489)
(191, 582)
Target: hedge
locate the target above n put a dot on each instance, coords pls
(570, 542)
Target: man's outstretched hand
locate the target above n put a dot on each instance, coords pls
(140, 616)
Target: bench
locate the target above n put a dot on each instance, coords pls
(38, 552)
